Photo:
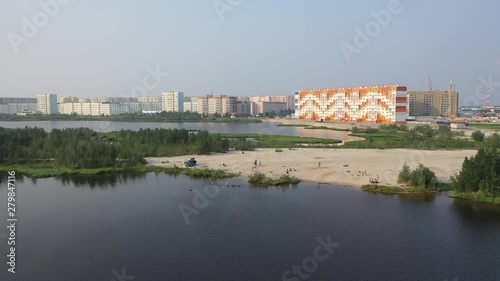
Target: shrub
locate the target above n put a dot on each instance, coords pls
(404, 174)
(478, 136)
(420, 177)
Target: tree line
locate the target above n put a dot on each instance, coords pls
(85, 148)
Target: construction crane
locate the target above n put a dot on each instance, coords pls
(451, 87)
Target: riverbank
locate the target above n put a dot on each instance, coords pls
(334, 166)
(47, 170)
(477, 197)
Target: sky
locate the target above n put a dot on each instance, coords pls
(247, 47)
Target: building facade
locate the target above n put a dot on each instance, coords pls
(386, 104)
(229, 104)
(433, 103)
(47, 104)
(18, 105)
(268, 107)
(172, 101)
(110, 109)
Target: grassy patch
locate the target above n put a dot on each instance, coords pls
(259, 178)
(478, 197)
(374, 188)
(202, 173)
(293, 125)
(326, 128)
(48, 170)
(277, 141)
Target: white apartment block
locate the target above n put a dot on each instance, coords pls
(172, 101)
(214, 105)
(47, 104)
(17, 105)
(202, 105)
(149, 99)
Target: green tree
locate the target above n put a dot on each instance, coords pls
(478, 136)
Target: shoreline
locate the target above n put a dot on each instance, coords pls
(344, 167)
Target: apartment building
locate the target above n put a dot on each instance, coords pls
(386, 104)
(47, 104)
(173, 101)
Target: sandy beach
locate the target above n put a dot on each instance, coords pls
(335, 166)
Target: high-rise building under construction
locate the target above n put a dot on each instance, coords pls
(434, 102)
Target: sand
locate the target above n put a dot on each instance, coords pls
(338, 166)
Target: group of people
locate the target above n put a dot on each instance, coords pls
(374, 180)
(288, 170)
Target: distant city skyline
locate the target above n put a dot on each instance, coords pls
(258, 47)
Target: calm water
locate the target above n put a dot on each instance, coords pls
(83, 228)
(254, 128)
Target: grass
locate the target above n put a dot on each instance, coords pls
(194, 172)
(326, 128)
(494, 125)
(478, 197)
(293, 125)
(388, 140)
(277, 141)
(375, 188)
(259, 178)
(48, 170)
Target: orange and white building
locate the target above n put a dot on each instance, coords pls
(385, 104)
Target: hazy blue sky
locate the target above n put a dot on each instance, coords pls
(260, 47)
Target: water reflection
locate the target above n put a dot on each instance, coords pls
(4, 179)
(102, 182)
(419, 197)
(283, 187)
(476, 213)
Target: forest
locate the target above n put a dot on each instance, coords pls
(84, 148)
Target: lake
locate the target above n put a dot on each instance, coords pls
(130, 227)
(230, 128)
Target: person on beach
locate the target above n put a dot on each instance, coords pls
(319, 164)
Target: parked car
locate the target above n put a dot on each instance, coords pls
(190, 162)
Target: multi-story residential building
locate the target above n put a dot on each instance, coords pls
(188, 106)
(433, 103)
(289, 100)
(173, 101)
(115, 99)
(214, 105)
(47, 104)
(229, 104)
(386, 104)
(17, 105)
(263, 107)
(244, 107)
(69, 100)
(202, 105)
(148, 99)
(151, 106)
